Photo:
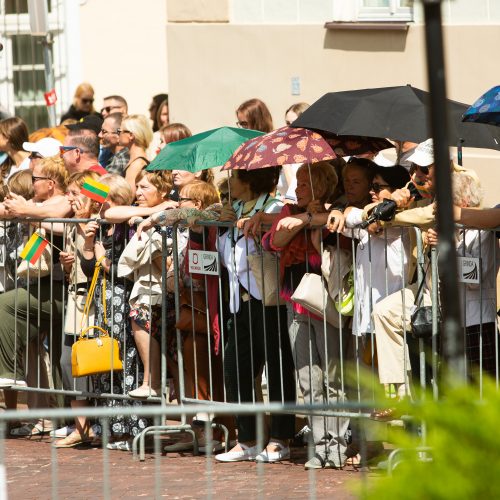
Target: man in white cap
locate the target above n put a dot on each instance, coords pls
(43, 148)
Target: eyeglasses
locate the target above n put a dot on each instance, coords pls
(87, 101)
(376, 187)
(35, 156)
(242, 124)
(185, 199)
(108, 109)
(35, 178)
(122, 131)
(104, 132)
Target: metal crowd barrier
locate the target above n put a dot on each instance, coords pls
(209, 385)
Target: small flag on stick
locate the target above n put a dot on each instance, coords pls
(34, 248)
(95, 190)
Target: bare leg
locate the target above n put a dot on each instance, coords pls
(149, 351)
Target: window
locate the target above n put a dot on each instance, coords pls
(385, 10)
(22, 85)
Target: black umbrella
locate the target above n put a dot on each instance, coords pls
(398, 113)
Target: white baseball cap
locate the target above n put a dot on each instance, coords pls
(44, 147)
(423, 154)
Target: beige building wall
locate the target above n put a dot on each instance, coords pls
(124, 49)
(214, 67)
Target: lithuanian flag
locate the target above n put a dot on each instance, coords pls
(95, 190)
(34, 248)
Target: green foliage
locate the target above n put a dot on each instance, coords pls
(463, 433)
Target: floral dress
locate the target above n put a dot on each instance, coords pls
(118, 325)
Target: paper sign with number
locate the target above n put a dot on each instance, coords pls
(468, 270)
(203, 262)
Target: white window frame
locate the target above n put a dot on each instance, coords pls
(395, 12)
(18, 24)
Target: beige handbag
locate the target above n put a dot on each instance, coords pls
(75, 320)
(313, 296)
(265, 269)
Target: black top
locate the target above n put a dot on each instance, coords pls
(75, 114)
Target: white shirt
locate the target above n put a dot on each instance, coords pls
(234, 248)
(377, 271)
(479, 301)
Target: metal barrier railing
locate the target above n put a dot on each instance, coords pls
(232, 348)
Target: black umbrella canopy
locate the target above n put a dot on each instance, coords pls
(398, 113)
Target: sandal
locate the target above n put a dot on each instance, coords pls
(74, 439)
(30, 430)
(120, 445)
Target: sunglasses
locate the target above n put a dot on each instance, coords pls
(424, 170)
(35, 178)
(87, 101)
(242, 124)
(35, 156)
(65, 149)
(376, 187)
(108, 109)
(104, 132)
(185, 199)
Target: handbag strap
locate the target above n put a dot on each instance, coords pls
(85, 330)
(90, 295)
(420, 287)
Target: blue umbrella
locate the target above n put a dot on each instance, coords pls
(486, 109)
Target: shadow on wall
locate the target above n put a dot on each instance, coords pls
(356, 40)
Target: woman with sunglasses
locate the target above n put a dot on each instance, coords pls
(83, 103)
(379, 272)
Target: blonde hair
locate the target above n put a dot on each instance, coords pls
(84, 88)
(53, 168)
(467, 190)
(79, 178)
(21, 183)
(324, 178)
(201, 191)
(120, 191)
(140, 127)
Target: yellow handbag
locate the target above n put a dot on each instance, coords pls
(100, 353)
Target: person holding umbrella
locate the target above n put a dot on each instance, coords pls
(299, 253)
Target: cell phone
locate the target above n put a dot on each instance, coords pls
(414, 191)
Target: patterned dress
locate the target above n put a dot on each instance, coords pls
(118, 325)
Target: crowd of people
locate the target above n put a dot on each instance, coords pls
(319, 219)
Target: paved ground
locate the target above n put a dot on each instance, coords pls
(79, 475)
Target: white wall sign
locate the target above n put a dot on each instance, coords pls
(203, 262)
(468, 270)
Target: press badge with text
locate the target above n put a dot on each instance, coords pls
(468, 270)
(203, 262)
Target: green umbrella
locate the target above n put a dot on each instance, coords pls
(201, 151)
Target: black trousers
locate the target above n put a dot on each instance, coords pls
(257, 335)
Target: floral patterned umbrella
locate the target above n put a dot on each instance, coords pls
(287, 145)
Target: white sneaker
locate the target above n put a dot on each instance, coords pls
(63, 431)
(10, 382)
(247, 453)
(282, 453)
